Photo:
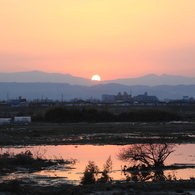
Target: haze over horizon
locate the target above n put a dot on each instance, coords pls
(38, 71)
(114, 39)
(43, 77)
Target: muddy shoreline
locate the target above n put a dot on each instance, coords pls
(98, 133)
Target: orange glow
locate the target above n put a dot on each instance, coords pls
(96, 78)
(117, 39)
(99, 154)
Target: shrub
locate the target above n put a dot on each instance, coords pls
(24, 158)
(92, 171)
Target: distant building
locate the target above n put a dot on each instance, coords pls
(108, 98)
(18, 102)
(145, 98)
(5, 121)
(128, 98)
(115, 98)
(22, 119)
(123, 97)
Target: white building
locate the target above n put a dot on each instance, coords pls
(5, 121)
(22, 119)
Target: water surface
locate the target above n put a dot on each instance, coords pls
(183, 154)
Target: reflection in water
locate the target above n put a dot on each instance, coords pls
(92, 172)
(146, 161)
(184, 154)
(146, 155)
(140, 176)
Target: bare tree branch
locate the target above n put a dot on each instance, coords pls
(151, 155)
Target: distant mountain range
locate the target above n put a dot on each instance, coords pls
(59, 91)
(154, 80)
(38, 76)
(38, 85)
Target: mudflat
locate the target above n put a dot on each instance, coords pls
(99, 133)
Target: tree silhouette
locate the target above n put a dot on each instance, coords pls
(147, 155)
(105, 178)
(92, 171)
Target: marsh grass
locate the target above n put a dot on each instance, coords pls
(10, 162)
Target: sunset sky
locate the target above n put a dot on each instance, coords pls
(111, 38)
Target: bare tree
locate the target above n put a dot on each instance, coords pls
(149, 155)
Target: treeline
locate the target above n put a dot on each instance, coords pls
(149, 116)
(85, 114)
(77, 114)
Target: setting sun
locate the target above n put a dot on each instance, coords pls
(82, 37)
(96, 78)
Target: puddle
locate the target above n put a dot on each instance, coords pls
(54, 175)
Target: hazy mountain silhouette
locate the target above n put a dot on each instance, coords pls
(56, 91)
(38, 76)
(153, 80)
(37, 85)
(150, 79)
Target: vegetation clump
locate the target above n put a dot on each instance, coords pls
(10, 162)
(146, 161)
(89, 114)
(149, 115)
(92, 172)
(149, 155)
(76, 114)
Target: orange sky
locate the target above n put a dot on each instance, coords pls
(112, 38)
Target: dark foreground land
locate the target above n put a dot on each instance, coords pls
(141, 188)
(98, 133)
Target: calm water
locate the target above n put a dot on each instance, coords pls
(99, 154)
